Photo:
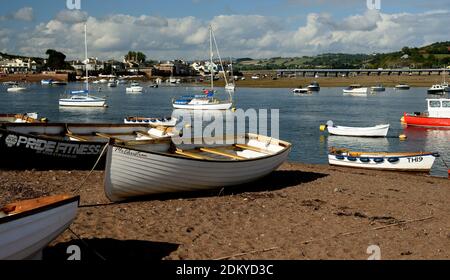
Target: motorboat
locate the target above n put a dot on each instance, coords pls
(395, 161)
(47, 82)
(314, 86)
(437, 115)
(28, 226)
(378, 88)
(355, 90)
(373, 131)
(134, 88)
(436, 89)
(301, 90)
(165, 167)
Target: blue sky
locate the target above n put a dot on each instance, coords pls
(246, 28)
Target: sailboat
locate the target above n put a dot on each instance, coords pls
(81, 98)
(230, 85)
(444, 83)
(205, 101)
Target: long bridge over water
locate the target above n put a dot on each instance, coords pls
(350, 72)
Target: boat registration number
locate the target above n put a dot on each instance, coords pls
(415, 159)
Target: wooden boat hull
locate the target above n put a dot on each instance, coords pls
(416, 163)
(25, 235)
(43, 146)
(131, 173)
(414, 120)
(375, 131)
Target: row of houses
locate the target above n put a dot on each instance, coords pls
(166, 68)
(18, 65)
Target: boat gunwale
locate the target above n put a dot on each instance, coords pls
(43, 208)
(286, 148)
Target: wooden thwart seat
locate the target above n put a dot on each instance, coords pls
(251, 148)
(221, 153)
(78, 137)
(191, 154)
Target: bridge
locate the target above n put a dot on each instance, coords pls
(357, 72)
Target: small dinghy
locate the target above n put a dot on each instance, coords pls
(28, 226)
(374, 131)
(301, 91)
(417, 162)
(164, 167)
(169, 121)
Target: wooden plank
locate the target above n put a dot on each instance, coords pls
(251, 148)
(221, 153)
(191, 154)
(104, 135)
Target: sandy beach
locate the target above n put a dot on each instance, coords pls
(298, 212)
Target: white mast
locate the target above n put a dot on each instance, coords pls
(211, 57)
(87, 61)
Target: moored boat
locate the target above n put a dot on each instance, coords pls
(47, 82)
(314, 86)
(66, 145)
(438, 114)
(414, 161)
(378, 88)
(81, 98)
(301, 90)
(355, 90)
(28, 226)
(436, 89)
(169, 121)
(134, 88)
(139, 170)
(380, 130)
(402, 87)
(16, 88)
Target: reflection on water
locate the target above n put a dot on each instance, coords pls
(300, 117)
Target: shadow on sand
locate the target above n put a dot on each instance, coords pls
(111, 249)
(275, 181)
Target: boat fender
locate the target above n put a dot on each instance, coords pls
(378, 160)
(364, 159)
(340, 157)
(402, 119)
(402, 137)
(323, 127)
(351, 158)
(44, 120)
(393, 159)
(436, 154)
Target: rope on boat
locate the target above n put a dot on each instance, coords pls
(93, 168)
(87, 245)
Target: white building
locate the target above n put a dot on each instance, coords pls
(16, 65)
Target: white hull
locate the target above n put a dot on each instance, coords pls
(230, 87)
(81, 103)
(131, 173)
(16, 89)
(213, 106)
(134, 89)
(356, 91)
(405, 163)
(375, 131)
(25, 238)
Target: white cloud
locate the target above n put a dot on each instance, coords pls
(237, 35)
(25, 14)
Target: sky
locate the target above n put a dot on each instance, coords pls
(178, 29)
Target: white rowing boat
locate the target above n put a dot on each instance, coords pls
(28, 226)
(163, 167)
(380, 130)
(418, 162)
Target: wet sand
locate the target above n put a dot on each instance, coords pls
(298, 212)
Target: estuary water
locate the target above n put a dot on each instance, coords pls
(300, 116)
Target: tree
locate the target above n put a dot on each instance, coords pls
(135, 56)
(56, 61)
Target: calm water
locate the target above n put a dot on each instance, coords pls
(300, 116)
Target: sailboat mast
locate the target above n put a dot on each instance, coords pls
(211, 57)
(86, 56)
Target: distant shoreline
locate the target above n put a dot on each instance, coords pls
(270, 81)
